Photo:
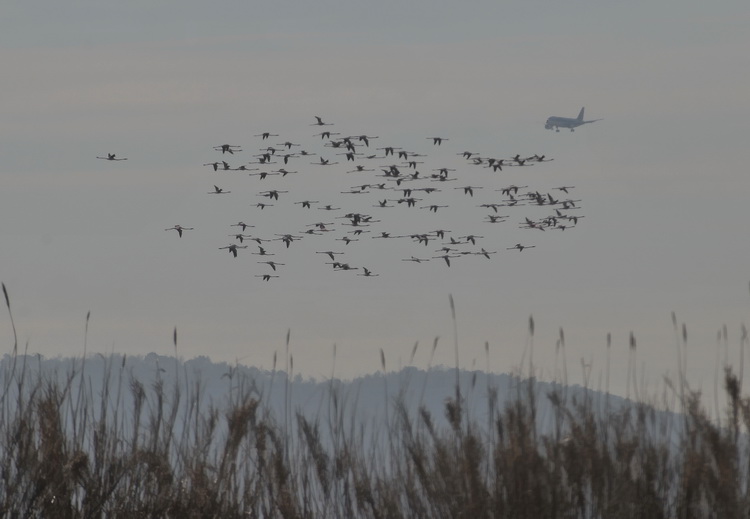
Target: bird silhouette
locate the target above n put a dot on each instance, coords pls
(179, 229)
(329, 253)
(241, 224)
(111, 156)
(272, 264)
(521, 247)
(319, 122)
(233, 248)
(227, 148)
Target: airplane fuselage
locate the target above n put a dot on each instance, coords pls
(567, 122)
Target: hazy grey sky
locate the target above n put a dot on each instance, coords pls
(663, 178)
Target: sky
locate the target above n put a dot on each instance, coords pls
(662, 181)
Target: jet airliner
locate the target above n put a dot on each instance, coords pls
(566, 122)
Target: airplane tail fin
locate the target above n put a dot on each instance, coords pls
(580, 115)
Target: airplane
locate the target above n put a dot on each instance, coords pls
(566, 122)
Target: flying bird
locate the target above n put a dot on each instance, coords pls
(241, 224)
(233, 248)
(227, 148)
(521, 247)
(319, 122)
(272, 264)
(179, 229)
(329, 253)
(415, 260)
(447, 258)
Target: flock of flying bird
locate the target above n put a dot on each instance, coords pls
(381, 183)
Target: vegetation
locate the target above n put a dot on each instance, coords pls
(158, 451)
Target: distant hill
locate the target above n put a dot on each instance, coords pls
(363, 398)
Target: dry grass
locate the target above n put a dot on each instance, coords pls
(66, 451)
